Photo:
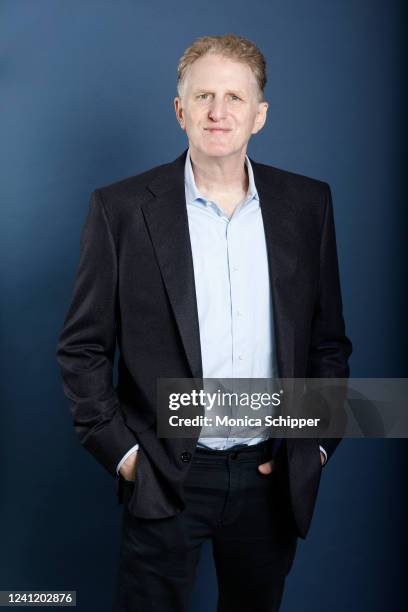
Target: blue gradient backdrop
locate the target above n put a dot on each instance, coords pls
(86, 99)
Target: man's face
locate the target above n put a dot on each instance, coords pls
(219, 107)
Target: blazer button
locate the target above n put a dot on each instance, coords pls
(185, 457)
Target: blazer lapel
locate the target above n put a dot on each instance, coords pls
(167, 221)
(279, 225)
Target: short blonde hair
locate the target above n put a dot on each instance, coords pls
(231, 46)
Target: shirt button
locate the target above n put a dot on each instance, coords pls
(240, 357)
(239, 313)
(235, 268)
(185, 457)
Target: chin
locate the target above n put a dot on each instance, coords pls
(218, 150)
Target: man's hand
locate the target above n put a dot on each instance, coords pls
(266, 468)
(128, 467)
(269, 466)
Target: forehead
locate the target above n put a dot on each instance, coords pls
(213, 70)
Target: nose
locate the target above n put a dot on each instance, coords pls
(217, 110)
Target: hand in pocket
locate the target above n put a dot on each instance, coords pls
(128, 467)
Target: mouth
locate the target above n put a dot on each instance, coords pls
(217, 130)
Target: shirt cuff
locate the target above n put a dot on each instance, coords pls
(130, 451)
(325, 455)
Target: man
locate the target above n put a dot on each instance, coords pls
(210, 266)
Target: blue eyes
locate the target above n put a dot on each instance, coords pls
(204, 96)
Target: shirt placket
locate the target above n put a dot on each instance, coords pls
(233, 286)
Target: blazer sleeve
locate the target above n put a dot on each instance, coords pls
(329, 347)
(87, 343)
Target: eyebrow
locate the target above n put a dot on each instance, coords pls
(236, 92)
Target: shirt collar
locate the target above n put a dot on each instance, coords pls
(193, 194)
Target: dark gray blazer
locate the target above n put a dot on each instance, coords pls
(135, 287)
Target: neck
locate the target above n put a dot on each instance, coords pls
(219, 175)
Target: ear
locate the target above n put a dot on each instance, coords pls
(179, 112)
(260, 117)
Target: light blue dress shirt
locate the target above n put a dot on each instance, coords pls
(233, 292)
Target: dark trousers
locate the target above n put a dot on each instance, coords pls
(244, 513)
